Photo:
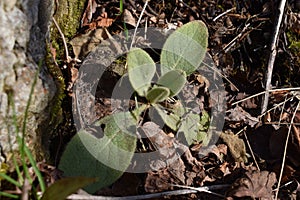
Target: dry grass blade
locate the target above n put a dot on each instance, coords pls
(285, 150)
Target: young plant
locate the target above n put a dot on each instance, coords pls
(108, 156)
(182, 53)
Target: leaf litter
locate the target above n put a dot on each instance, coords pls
(239, 35)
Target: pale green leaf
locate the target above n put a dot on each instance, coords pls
(170, 119)
(157, 94)
(204, 121)
(141, 69)
(174, 80)
(138, 111)
(185, 48)
(194, 128)
(106, 157)
(189, 128)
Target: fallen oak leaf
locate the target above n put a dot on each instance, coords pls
(170, 168)
(254, 184)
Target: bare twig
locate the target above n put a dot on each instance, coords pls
(204, 189)
(281, 123)
(272, 57)
(138, 22)
(273, 90)
(235, 39)
(285, 149)
(281, 113)
(251, 151)
(63, 39)
(190, 190)
(222, 14)
(220, 74)
(276, 106)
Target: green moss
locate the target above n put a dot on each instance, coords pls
(56, 109)
(294, 46)
(294, 41)
(68, 15)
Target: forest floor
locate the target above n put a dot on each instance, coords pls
(250, 156)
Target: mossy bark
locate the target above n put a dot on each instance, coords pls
(67, 14)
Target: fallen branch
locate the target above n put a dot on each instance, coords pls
(272, 57)
(150, 196)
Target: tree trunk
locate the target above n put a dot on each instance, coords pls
(25, 39)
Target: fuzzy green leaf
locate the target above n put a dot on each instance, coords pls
(174, 80)
(194, 128)
(157, 94)
(170, 119)
(106, 157)
(141, 69)
(185, 48)
(136, 113)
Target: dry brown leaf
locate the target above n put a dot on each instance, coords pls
(85, 43)
(102, 23)
(170, 168)
(254, 184)
(238, 114)
(89, 11)
(128, 18)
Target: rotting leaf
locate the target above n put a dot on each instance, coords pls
(128, 18)
(236, 146)
(107, 157)
(141, 69)
(85, 43)
(185, 48)
(162, 142)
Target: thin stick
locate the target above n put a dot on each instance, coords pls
(272, 57)
(138, 22)
(202, 189)
(285, 150)
(282, 123)
(273, 90)
(251, 151)
(222, 14)
(148, 196)
(63, 39)
(220, 74)
(276, 106)
(281, 113)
